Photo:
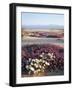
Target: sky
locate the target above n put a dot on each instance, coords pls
(31, 19)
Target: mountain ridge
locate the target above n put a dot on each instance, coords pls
(44, 27)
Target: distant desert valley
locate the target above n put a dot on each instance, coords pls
(48, 33)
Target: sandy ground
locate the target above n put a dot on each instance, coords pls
(36, 40)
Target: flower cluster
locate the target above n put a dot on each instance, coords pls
(42, 59)
(38, 66)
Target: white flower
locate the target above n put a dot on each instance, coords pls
(29, 59)
(31, 68)
(36, 65)
(41, 55)
(47, 63)
(33, 60)
(31, 63)
(40, 66)
(27, 67)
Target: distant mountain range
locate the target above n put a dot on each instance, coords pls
(44, 27)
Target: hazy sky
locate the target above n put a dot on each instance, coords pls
(29, 19)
